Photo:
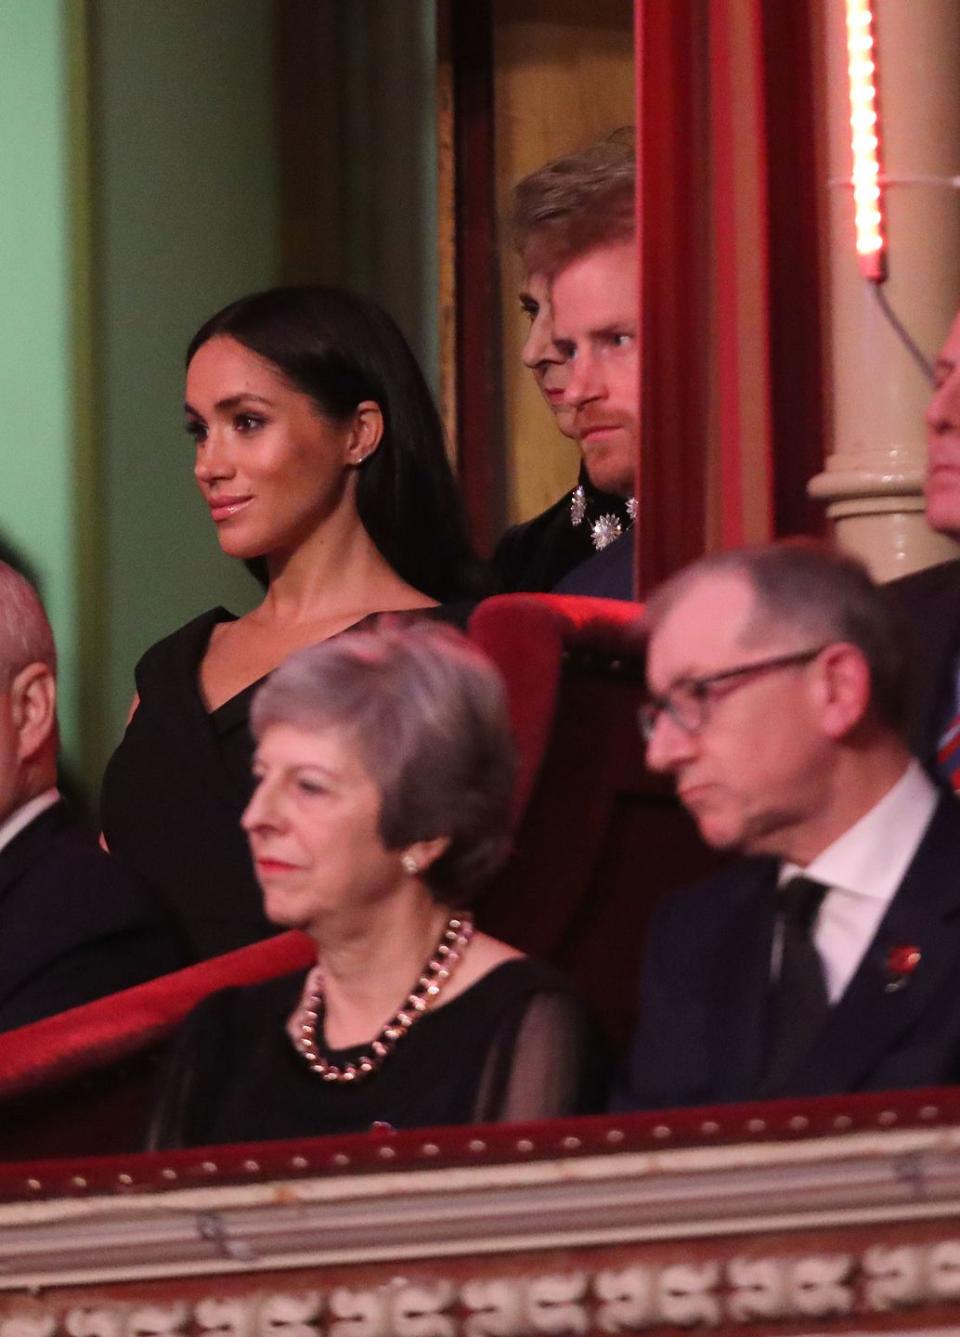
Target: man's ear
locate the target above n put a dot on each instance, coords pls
(366, 431)
(33, 704)
(845, 687)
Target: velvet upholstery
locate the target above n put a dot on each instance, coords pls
(599, 839)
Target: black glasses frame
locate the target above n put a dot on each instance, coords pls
(689, 710)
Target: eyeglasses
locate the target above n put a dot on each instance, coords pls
(688, 701)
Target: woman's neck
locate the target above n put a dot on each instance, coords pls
(371, 961)
(338, 569)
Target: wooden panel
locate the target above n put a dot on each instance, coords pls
(309, 131)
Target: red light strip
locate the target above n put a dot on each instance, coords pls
(865, 139)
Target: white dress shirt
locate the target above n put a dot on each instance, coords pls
(25, 814)
(863, 870)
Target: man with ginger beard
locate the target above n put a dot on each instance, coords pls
(574, 220)
(929, 600)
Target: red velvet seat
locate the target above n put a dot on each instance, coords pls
(599, 839)
(79, 1081)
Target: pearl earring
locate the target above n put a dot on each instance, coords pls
(410, 864)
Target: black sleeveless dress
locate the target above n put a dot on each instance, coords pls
(173, 792)
(513, 1046)
(177, 784)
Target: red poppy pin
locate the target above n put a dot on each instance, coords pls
(901, 962)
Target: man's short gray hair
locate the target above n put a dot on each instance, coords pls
(810, 594)
(429, 715)
(25, 634)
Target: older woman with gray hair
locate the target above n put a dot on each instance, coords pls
(384, 766)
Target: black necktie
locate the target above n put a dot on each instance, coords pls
(799, 997)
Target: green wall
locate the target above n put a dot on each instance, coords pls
(37, 513)
(388, 74)
(182, 122)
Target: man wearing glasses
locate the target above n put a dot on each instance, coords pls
(828, 960)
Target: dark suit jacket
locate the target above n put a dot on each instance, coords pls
(608, 574)
(534, 556)
(706, 982)
(73, 924)
(929, 603)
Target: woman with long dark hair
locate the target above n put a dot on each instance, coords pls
(320, 455)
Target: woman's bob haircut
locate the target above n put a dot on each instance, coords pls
(427, 712)
(342, 349)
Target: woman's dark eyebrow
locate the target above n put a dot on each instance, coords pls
(231, 402)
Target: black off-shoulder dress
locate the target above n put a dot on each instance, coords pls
(173, 792)
(177, 784)
(515, 1045)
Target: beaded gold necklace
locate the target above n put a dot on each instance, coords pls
(441, 964)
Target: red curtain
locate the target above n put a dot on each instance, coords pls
(727, 201)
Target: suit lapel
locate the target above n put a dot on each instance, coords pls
(742, 984)
(925, 913)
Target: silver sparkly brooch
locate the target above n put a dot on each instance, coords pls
(604, 530)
